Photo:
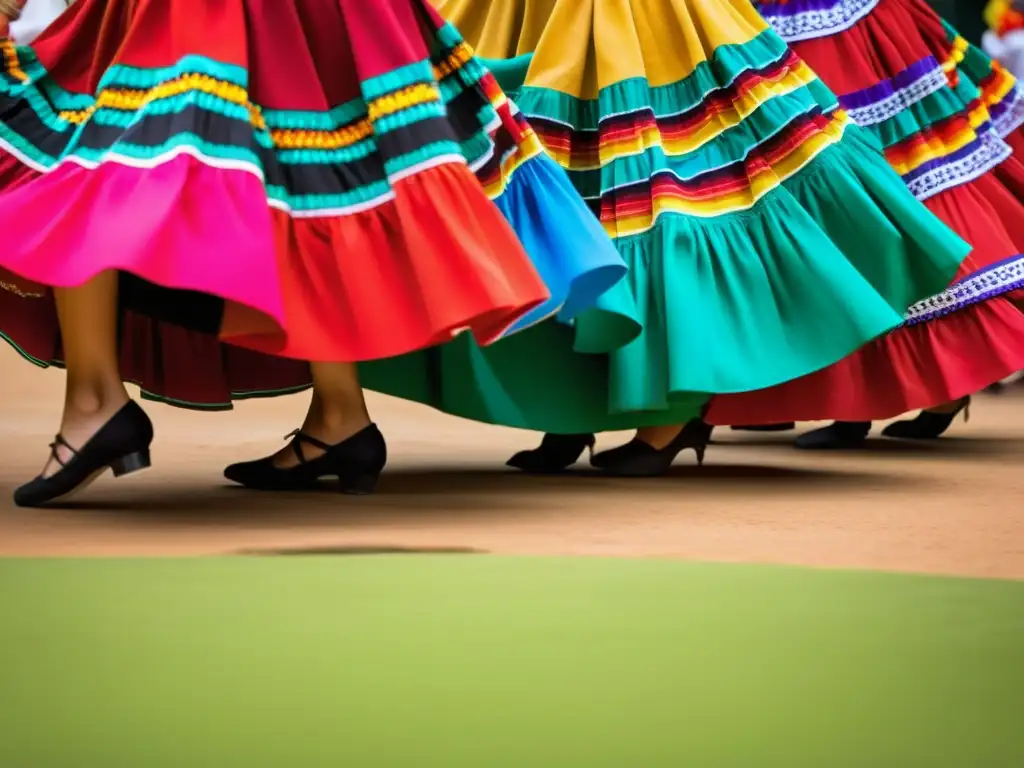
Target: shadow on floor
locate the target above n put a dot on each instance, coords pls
(406, 495)
(729, 478)
(950, 446)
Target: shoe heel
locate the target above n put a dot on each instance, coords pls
(133, 462)
(361, 484)
(700, 456)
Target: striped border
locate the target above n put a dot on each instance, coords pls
(988, 283)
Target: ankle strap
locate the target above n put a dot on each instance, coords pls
(60, 441)
(298, 437)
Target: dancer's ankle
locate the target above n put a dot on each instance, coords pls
(335, 424)
(95, 397)
(948, 408)
(658, 437)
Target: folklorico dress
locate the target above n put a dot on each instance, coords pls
(327, 180)
(949, 119)
(1004, 39)
(765, 235)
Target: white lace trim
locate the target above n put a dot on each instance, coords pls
(990, 152)
(1013, 117)
(810, 24)
(893, 104)
(986, 284)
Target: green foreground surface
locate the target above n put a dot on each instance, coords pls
(484, 661)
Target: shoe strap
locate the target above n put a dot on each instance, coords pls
(60, 441)
(298, 437)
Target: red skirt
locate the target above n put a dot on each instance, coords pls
(347, 238)
(886, 43)
(973, 335)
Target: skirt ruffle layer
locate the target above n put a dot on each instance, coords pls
(949, 120)
(953, 345)
(736, 192)
(380, 197)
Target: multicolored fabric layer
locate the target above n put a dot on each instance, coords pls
(507, 149)
(734, 184)
(335, 163)
(1004, 39)
(982, 99)
(1003, 16)
(939, 140)
(312, 163)
(939, 129)
(714, 143)
(998, 90)
(941, 120)
(256, 196)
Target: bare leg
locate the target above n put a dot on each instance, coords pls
(340, 441)
(336, 412)
(94, 391)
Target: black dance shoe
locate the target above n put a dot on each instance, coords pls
(356, 462)
(121, 445)
(781, 427)
(555, 453)
(639, 459)
(928, 425)
(837, 436)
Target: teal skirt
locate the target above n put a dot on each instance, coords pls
(827, 260)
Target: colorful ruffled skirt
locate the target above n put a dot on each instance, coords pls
(765, 235)
(325, 180)
(1004, 40)
(949, 119)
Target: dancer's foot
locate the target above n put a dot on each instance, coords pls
(356, 460)
(930, 424)
(337, 439)
(86, 411)
(656, 438)
(653, 437)
(89, 444)
(781, 427)
(653, 450)
(839, 435)
(555, 453)
(318, 436)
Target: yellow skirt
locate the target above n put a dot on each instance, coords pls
(766, 236)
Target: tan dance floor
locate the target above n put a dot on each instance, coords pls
(954, 506)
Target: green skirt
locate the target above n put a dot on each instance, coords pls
(766, 238)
